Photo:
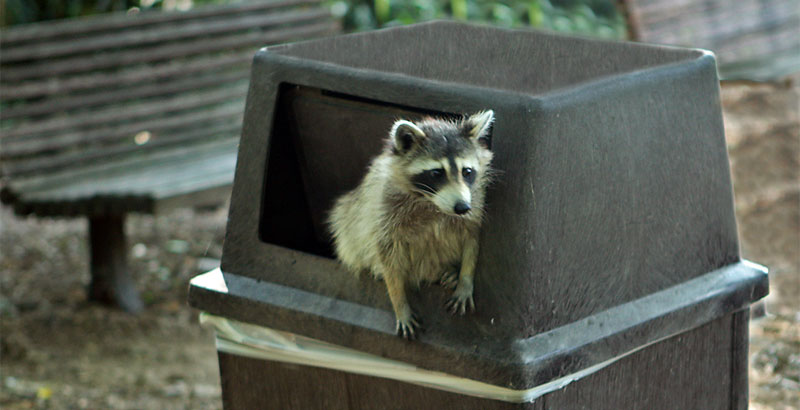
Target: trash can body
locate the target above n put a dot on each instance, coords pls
(609, 273)
(705, 368)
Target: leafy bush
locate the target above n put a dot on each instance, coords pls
(598, 18)
(28, 11)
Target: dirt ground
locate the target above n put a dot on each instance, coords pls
(762, 124)
(60, 352)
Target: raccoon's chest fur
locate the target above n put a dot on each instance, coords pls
(424, 244)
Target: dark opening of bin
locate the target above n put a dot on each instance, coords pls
(320, 147)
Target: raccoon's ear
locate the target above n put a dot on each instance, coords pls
(477, 126)
(405, 134)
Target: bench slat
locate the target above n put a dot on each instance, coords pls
(122, 20)
(103, 97)
(130, 112)
(101, 135)
(128, 78)
(133, 175)
(101, 61)
(201, 169)
(183, 173)
(153, 36)
(149, 178)
(127, 57)
(221, 177)
(53, 163)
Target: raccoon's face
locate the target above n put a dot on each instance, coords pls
(447, 162)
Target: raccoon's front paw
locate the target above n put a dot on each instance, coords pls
(409, 326)
(461, 300)
(449, 279)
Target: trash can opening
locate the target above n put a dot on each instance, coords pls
(321, 145)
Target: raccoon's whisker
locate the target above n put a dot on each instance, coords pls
(425, 186)
(491, 173)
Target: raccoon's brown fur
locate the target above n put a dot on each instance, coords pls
(416, 215)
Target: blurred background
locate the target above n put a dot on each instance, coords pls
(59, 351)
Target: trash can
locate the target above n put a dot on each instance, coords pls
(609, 273)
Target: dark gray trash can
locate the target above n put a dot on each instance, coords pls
(609, 274)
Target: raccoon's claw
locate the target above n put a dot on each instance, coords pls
(449, 280)
(409, 327)
(460, 303)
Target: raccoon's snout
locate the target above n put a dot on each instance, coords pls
(461, 208)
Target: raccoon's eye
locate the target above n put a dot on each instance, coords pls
(469, 175)
(436, 173)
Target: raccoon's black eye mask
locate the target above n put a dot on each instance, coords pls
(435, 173)
(429, 181)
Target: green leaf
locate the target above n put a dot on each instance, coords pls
(535, 14)
(459, 9)
(382, 10)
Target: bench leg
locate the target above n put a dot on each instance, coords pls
(111, 283)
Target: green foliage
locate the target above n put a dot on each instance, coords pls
(597, 18)
(29, 11)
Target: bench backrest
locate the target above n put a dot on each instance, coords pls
(90, 90)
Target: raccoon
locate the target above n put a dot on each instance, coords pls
(415, 216)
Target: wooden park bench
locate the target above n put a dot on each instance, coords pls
(132, 112)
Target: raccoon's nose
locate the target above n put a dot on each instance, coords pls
(461, 208)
